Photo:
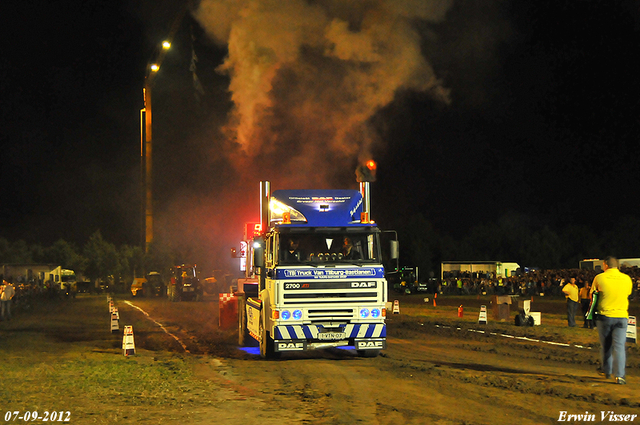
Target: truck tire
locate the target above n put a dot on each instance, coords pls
(267, 347)
(518, 320)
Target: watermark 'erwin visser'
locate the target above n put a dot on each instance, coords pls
(605, 416)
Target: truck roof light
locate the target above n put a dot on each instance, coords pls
(279, 209)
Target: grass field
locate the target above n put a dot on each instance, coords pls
(61, 356)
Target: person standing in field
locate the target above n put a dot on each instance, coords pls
(570, 291)
(585, 302)
(613, 288)
(6, 294)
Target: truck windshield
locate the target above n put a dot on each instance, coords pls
(329, 247)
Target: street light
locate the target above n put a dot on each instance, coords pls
(146, 146)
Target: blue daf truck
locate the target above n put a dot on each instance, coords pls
(320, 280)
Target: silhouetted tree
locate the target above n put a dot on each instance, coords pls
(102, 258)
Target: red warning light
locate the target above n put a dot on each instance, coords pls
(371, 164)
(366, 172)
(251, 230)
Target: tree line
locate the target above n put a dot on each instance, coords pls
(519, 238)
(97, 260)
(514, 237)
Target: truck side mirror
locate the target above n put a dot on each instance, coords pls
(394, 250)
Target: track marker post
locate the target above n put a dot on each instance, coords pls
(115, 320)
(482, 317)
(632, 335)
(128, 344)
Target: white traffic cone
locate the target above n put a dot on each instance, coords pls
(128, 345)
(115, 320)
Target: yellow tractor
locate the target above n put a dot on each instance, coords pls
(149, 286)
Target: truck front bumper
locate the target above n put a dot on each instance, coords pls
(304, 345)
(366, 336)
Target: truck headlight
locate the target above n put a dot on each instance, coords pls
(297, 314)
(364, 313)
(286, 315)
(375, 313)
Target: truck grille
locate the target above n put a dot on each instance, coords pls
(330, 314)
(330, 303)
(330, 297)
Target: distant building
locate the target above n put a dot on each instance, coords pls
(596, 264)
(495, 268)
(590, 264)
(37, 273)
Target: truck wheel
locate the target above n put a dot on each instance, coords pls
(267, 347)
(368, 353)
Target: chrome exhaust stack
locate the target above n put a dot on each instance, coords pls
(265, 214)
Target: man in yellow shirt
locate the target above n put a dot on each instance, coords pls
(570, 290)
(614, 289)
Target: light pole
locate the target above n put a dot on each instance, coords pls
(146, 147)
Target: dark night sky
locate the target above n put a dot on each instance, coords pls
(544, 117)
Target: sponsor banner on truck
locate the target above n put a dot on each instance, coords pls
(330, 285)
(330, 273)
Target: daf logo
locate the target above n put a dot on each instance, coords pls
(290, 346)
(363, 284)
(370, 344)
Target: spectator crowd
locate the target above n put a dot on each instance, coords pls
(537, 282)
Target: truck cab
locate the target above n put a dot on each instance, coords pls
(321, 279)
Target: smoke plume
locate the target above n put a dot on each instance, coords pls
(306, 77)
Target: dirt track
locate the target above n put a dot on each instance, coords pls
(437, 369)
(433, 371)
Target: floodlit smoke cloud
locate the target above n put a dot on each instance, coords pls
(306, 79)
(307, 76)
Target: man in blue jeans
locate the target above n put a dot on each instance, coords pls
(614, 289)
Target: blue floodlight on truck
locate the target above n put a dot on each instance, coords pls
(321, 282)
